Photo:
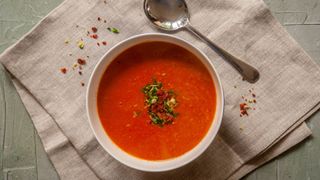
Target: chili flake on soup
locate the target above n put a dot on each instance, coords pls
(156, 101)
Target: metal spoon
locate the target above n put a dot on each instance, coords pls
(172, 15)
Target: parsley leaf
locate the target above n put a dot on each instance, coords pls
(113, 30)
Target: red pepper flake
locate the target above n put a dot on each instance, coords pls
(63, 70)
(81, 61)
(94, 29)
(82, 84)
(244, 109)
(99, 19)
(98, 44)
(104, 43)
(248, 103)
(94, 36)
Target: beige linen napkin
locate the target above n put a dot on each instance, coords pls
(287, 92)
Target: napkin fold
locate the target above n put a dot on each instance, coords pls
(287, 92)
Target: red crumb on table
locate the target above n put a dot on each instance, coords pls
(63, 70)
(81, 61)
(243, 109)
(94, 29)
(104, 43)
(248, 102)
(94, 36)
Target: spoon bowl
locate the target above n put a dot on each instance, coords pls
(167, 15)
(172, 15)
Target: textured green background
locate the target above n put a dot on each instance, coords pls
(21, 152)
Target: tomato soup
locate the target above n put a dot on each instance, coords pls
(156, 101)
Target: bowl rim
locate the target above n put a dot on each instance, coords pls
(115, 151)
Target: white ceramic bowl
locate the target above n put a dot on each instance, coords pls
(113, 149)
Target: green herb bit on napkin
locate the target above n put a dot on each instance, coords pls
(113, 30)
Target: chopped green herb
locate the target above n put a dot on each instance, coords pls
(113, 30)
(171, 92)
(66, 41)
(155, 119)
(160, 103)
(81, 44)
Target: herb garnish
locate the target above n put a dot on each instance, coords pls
(81, 44)
(160, 103)
(113, 30)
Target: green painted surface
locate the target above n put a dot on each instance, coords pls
(22, 155)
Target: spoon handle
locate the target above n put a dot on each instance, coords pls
(248, 72)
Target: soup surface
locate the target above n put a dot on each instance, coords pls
(124, 108)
